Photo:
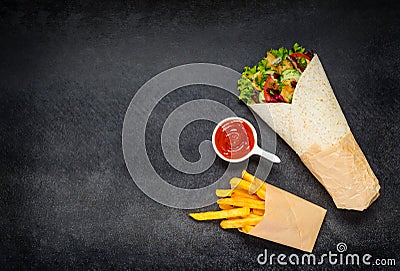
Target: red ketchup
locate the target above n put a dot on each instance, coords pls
(234, 139)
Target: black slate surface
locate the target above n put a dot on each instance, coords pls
(68, 72)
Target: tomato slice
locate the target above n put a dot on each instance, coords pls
(300, 55)
(268, 97)
(270, 83)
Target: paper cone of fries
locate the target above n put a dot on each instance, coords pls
(315, 128)
(288, 219)
(265, 211)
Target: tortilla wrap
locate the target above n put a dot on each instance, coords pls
(315, 128)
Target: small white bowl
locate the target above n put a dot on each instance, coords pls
(256, 149)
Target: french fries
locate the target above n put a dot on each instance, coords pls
(257, 211)
(225, 206)
(244, 184)
(242, 207)
(221, 214)
(240, 193)
(243, 202)
(222, 193)
(251, 220)
(255, 182)
(247, 228)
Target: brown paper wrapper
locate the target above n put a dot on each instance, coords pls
(345, 173)
(288, 220)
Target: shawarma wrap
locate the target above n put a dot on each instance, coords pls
(290, 91)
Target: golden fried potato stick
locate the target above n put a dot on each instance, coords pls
(257, 211)
(251, 220)
(246, 229)
(222, 193)
(239, 183)
(225, 206)
(255, 183)
(221, 214)
(236, 217)
(243, 184)
(240, 193)
(243, 202)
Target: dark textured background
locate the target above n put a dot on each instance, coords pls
(68, 72)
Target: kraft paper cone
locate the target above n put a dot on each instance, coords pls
(315, 128)
(289, 220)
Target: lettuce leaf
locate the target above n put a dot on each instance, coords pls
(249, 71)
(283, 52)
(298, 49)
(280, 53)
(246, 89)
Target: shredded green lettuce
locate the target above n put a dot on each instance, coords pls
(298, 49)
(249, 71)
(280, 53)
(263, 67)
(283, 52)
(246, 89)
